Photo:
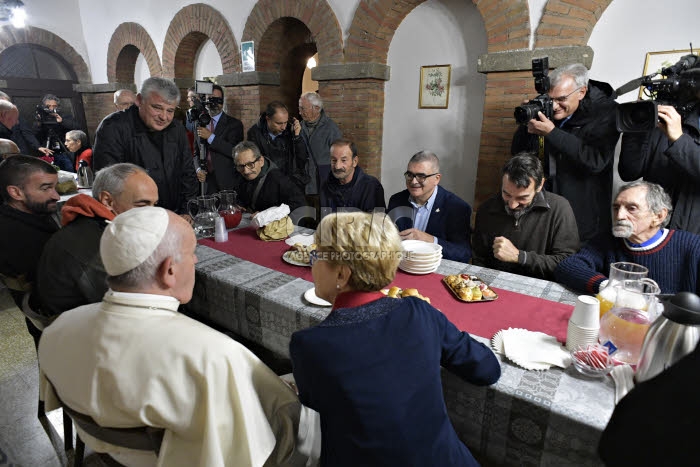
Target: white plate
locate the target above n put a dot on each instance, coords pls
(418, 271)
(305, 240)
(311, 297)
(497, 343)
(287, 256)
(419, 247)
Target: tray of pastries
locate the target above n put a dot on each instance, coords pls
(468, 288)
(299, 254)
(396, 292)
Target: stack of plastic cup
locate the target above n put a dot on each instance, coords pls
(584, 323)
(220, 232)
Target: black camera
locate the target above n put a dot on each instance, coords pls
(45, 116)
(542, 103)
(679, 88)
(199, 112)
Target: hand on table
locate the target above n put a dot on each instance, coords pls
(415, 234)
(504, 250)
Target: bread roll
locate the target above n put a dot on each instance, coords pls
(410, 293)
(394, 292)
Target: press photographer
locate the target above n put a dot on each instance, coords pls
(668, 151)
(50, 128)
(217, 134)
(577, 143)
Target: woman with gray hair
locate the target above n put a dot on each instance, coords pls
(372, 367)
(77, 142)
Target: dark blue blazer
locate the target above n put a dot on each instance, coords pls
(449, 222)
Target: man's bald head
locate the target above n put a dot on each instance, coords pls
(8, 148)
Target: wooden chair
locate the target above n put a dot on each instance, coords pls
(144, 438)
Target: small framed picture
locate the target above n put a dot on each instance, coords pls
(248, 56)
(434, 92)
(655, 61)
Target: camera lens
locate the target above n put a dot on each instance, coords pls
(527, 112)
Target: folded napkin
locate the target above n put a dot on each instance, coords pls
(270, 215)
(531, 350)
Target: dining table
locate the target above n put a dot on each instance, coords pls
(530, 418)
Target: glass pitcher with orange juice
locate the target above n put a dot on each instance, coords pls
(622, 330)
(619, 272)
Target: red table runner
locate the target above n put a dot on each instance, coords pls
(484, 319)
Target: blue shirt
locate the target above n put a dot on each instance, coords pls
(421, 214)
(215, 121)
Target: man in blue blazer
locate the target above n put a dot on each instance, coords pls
(430, 213)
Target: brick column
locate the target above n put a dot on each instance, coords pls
(98, 102)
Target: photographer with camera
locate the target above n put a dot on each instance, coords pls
(669, 154)
(576, 142)
(23, 135)
(51, 127)
(279, 139)
(219, 133)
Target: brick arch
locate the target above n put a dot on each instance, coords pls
(568, 23)
(374, 24)
(33, 35)
(194, 24)
(128, 40)
(316, 15)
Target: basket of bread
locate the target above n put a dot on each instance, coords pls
(396, 292)
(299, 254)
(468, 288)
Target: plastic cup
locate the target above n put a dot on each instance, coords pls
(220, 232)
(577, 336)
(586, 312)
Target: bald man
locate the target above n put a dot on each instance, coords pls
(124, 98)
(8, 148)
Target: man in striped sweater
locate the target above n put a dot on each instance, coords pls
(641, 211)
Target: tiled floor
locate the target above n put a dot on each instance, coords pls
(23, 439)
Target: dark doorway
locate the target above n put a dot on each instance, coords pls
(31, 71)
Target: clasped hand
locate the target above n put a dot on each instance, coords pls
(504, 250)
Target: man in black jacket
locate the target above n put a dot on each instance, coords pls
(28, 189)
(579, 146)
(260, 184)
(220, 136)
(145, 134)
(280, 141)
(347, 185)
(70, 271)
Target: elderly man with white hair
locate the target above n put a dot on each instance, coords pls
(319, 132)
(641, 212)
(133, 360)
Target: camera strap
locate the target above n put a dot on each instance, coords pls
(540, 148)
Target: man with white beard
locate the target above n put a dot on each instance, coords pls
(641, 211)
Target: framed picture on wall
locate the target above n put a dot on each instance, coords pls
(655, 61)
(248, 56)
(434, 91)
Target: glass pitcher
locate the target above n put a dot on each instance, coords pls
(622, 330)
(619, 272)
(228, 209)
(204, 215)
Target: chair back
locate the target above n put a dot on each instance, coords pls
(143, 438)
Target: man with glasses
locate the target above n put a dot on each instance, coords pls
(641, 212)
(259, 183)
(578, 145)
(146, 134)
(431, 214)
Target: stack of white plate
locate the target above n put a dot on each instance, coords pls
(420, 257)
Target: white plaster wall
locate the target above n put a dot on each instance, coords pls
(436, 32)
(208, 61)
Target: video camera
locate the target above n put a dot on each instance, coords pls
(542, 103)
(679, 87)
(45, 116)
(198, 112)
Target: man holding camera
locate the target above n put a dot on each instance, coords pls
(278, 136)
(216, 168)
(578, 148)
(51, 128)
(668, 155)
(145, 134)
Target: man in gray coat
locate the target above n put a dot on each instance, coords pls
(319, 132)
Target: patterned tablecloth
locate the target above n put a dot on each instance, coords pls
(552, 417)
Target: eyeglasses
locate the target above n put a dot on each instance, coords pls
(409, 176)
(249, 165)
(562, 99)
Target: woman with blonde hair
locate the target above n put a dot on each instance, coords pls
(372, 367)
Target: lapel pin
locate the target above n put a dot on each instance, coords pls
(437, 210)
